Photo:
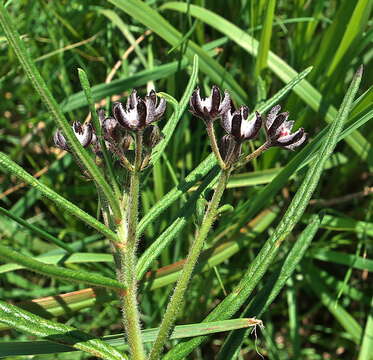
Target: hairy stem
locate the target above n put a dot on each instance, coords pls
(127, 248)
(214, 144)
(186, 275)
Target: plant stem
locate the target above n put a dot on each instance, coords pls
(127, 234)
(252, 156)
(214, 144)
(185, 277)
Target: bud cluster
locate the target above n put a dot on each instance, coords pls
(136, 120)
(239, 129)
(138, 116)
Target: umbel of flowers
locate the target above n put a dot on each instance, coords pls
(141, 114)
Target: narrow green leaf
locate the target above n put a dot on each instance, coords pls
(100, 91)
(265, 38)
(36, 230)
(76, 258)
(155, 249)
(273, 286)
(328, 300)
(15, 348)
(366, 349)
(67, 335)
(152, 19)
(9, 166)
(356, 262)
(173, 121)
(267, 254)
(352, 32)
(98, 129)
(7, 254)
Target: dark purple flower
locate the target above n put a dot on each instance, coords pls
(235, 123)
(278, 130)
(84, 134)
(212, 107)
(139, 113)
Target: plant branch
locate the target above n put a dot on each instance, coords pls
(186, 275)
(214, 144)
(127, 248)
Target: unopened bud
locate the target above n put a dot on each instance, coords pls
(152, 136)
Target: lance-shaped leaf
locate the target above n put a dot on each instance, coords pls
(14, 348)
(8, 165)
(31, 324)
(54, 271)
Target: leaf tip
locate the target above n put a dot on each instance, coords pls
(359, 71)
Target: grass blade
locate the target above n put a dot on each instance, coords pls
(273, 286)
(54, 271)
(182, 331)
(7, 165)
(143, 13)
(46, 96)
(67, 335)
(304, 90)
(265, 38)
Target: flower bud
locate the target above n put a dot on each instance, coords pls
(210, 108)
(152, 136)
(278, 130)
(139, 113)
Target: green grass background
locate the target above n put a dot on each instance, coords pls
(251, 48)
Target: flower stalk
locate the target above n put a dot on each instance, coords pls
(127, 234)
(186, 275)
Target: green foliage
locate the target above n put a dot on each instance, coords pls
(291, 239)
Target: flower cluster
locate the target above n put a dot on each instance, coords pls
(239, 128)
(136, 119)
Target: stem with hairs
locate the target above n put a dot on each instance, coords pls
(186, 275)
(127, 247)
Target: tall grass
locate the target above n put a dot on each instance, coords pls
(291, 242)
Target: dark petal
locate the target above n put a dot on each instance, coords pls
(277, 122)
(215, 101)
(272, 116)
(153, 96)
(152, 136)
(297, 143)
(59, 140)
(142, 114)
(150, 110)
(77, 127)
(195, 103)
(225, 145)
(226, 104)
(109, 126)
(161, 108)
(88, 131)
(120, 115)
(236, 125)
(101, 115)
(290, 139)
(244, 111)
(257, 125)
(132, 100)
(226, 121)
